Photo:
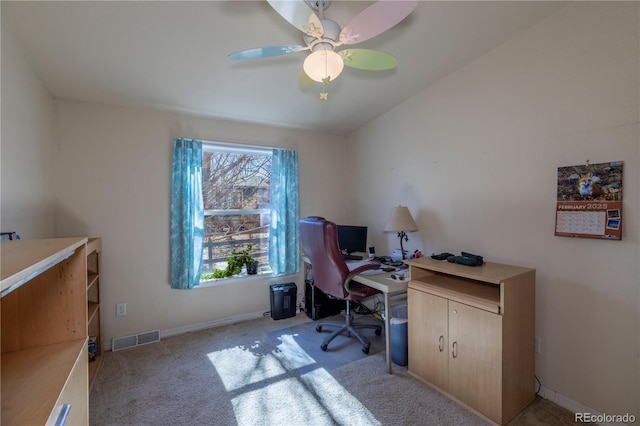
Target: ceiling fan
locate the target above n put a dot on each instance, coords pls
(323, 36)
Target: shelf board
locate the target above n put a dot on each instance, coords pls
(94, 366)
(92, 309)
(94, 244)
(467, 291)
(489, 272)
(22, 260)
(91, 279)
(35, 377)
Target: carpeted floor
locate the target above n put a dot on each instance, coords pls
(258, 373)
(303, 339)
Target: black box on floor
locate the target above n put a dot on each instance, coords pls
(325, 306)
(283, 300)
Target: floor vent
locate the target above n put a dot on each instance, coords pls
(135, 340)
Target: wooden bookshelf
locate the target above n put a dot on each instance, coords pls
(94, 330)
(44, 331)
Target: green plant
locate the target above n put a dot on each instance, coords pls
(235, 262)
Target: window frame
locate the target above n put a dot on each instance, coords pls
(236, 148)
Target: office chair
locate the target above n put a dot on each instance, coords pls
(331, 275)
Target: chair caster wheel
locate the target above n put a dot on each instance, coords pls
(365, 350)
(324, 347)
(378, 331)
(318, 328)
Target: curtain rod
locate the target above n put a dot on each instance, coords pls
(238, 147)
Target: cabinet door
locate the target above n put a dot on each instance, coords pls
(475, 358)
(428, 357)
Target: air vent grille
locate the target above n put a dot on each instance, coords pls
(125, 342)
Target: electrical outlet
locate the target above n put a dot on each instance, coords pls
(121, 309)
(538, 344)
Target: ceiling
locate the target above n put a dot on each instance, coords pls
(173, 55)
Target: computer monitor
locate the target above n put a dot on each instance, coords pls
(352, 238)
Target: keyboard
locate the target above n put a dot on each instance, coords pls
(358, 263)
(351, 257)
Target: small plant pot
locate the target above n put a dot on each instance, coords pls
(252, 268)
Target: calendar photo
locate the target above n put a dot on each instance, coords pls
(589, 201)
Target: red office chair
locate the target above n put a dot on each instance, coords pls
(331, 275)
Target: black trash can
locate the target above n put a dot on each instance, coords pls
(283, 300)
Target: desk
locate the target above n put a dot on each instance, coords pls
(391, 289)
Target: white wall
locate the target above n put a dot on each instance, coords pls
(27, 176)
(114, 180)
(475, 158)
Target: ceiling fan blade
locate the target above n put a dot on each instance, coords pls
(298, 14)
(305, 80)
(265, 52)
(376, 19)
(367, 59)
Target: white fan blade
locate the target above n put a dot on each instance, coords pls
(376, 19)
(298, 14)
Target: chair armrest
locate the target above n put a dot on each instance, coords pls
(355, 272)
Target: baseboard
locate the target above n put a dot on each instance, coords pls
(210, 324)
(203, 325)
(574, 406)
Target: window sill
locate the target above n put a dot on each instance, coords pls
(240, 278)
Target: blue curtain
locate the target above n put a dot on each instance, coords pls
(187, 214)
(284, 238)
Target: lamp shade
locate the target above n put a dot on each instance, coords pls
(400, 220)
(322, 64)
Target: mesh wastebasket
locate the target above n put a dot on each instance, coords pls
(399, 335)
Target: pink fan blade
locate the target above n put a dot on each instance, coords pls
(298, 14)
(376, 19)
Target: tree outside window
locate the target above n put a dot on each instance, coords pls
(236, 186)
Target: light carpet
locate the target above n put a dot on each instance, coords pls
(300, 344)
(237, 375)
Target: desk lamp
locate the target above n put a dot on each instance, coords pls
(401, 221)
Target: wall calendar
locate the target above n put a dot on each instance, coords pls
(590, 201)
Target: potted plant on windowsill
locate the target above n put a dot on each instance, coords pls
(252, 266)
(237, 260)
(242, 258)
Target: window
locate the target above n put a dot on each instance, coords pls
(236, 190)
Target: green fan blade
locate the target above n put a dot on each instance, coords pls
(305, 80)
(367, 59)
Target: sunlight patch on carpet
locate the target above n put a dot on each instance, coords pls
(241, 366)
(268, 388)
(294, 352)
(315, 398)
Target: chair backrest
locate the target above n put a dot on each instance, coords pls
(319, 239)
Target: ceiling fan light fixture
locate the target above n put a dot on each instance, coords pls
(322, 64)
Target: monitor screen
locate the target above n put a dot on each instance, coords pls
(352, 238)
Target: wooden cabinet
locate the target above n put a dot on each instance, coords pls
(44, 331)
(471, 334)
(94, 249)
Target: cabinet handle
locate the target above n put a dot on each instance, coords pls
(441, 343)
(454, 350)
(64, 413)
